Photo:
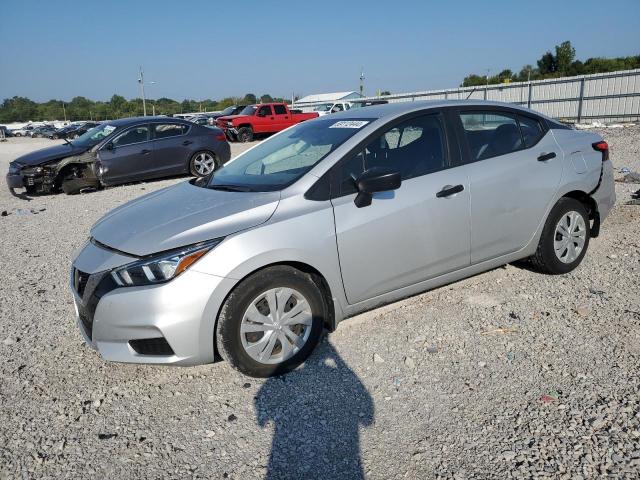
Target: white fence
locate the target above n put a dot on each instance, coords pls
(603, 96)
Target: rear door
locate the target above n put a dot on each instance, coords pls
(515, 167)
(410, 234)
(283, 119)
(129, 156)
(172, 148)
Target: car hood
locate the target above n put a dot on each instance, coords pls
(181, 215)
(231, 118)
(57, 152)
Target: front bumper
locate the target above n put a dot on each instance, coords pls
(183, 311)
(15, 180)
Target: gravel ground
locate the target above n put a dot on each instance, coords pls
(508, 374)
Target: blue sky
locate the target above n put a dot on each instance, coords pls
(208, 49)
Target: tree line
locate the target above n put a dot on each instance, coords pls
(22, 109)
(562, 63)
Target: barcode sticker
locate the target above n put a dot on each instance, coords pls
(350, 124)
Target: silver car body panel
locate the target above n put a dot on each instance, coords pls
(404, 243)
(180, 215)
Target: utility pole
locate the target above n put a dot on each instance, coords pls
(361, 81)
(486, 87)
(64, 112)
(141, 82)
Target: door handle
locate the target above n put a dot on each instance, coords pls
(271, 118)
(449, 190)
(145, 152)
(187, 142)
(546, 156)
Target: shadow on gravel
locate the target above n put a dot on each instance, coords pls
(317, 411)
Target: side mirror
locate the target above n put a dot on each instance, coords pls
(374, 180)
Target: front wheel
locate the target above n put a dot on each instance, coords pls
(565, 238)
(203, 164)
(271, 322)
(245, 134)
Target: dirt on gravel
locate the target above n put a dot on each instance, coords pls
(508, 374)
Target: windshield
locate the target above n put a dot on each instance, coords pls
(325, 107)
(94, 136)
(278, 162)
(227, 111)
(250, 110)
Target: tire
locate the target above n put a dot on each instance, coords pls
(245, 134)
(234, 345)
(72, 185)
(555, 261)
(203, 163)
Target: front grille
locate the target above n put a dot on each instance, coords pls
(151, 346)
(80, 280)
(91, 288)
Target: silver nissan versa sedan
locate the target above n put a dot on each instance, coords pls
(332, 217)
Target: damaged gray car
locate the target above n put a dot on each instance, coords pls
(121, 151)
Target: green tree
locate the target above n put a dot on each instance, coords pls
(547, 64)
(266, 98)
(565, 55)
(249, 98)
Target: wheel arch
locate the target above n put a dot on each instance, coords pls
(316, 275)
(592, 208)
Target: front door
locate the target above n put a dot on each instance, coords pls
(515, 168)
(414, 233)
(128, 157)
(263, 122)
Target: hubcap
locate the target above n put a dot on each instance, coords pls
(276, 325)
(570, 237)
(204, 164)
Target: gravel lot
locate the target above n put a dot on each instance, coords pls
(509, 374)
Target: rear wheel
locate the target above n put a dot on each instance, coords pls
(203, 163)
(271, 322)
(245, 134)
(565, 238)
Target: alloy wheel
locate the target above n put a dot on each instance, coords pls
(570, 237)
(204, 163)
(276, 325)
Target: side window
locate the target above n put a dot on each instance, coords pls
(133, 135)
(265, 110)
(280, 110)
(415, 147)
(165, 130)
(531, 130)
(490, 134)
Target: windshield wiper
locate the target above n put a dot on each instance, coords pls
(231, 188)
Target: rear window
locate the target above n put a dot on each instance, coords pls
(490, 134)
(166, 130)
(280, 110)
(531, 130)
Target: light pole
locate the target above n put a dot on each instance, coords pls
(141, 82)
(64, 112)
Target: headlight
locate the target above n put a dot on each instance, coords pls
(162, 267)
(229, 124)
(14, 168)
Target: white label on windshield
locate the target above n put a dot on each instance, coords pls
(109, 128)
(350, 124)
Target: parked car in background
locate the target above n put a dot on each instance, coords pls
(5, 132)
(369, 103)
(260, 119)
(42, 131)
(333, 217)
(121, 151)
(201, 119)
(63, 131)
(24, 131)
(328, 108)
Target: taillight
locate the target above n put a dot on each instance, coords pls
(221, 137)
(602, 147)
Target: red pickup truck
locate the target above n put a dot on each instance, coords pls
(260, 119)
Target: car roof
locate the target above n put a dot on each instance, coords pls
(125, 122)
(398, 108)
